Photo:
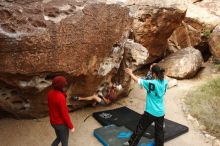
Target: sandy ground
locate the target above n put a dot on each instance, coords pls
(39, 133)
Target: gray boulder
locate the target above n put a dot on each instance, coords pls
(182, 64)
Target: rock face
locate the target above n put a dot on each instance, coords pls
(185, 36)
(152, 27)
(41, 39)
(62, 37)
(209, 12)
(191, 33)
(84, 40)
(196, 28)
(154, 20)
(214, 43)
(183, 64)
(136, 55)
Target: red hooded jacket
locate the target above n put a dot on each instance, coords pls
(58, 110)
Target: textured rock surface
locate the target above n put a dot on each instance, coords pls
(41, 39)
(185, 36)
(152, 27)
(205, 12)
(136, 55)
(214, 42)
(154, 20)
(191, 33)
(80, 39)
(201, 18)
(183, 64)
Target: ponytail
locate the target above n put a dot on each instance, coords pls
(161, 74)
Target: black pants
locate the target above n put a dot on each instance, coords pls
(62, 133)
(145, 121)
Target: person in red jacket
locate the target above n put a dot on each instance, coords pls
(58, 111)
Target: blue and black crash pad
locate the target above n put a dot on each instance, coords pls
(113, 135)
(128, 118)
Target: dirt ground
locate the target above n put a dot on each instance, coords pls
(39, 132)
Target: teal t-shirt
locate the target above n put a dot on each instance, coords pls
(156, 90)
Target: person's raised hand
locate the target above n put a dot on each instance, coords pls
(128, 71)
(72, 130)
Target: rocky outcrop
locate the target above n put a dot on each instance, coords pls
(183, 64)
(205, 12)
(39, 40)
(190, 34)
(214, 42)
(82, 40)
(136, 55)
(153, 26)
(201, 18)
(185, 36)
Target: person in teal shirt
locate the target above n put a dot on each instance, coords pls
(154, 111)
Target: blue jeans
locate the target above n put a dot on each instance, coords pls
(62, 133)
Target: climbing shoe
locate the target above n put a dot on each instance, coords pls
(75, 98)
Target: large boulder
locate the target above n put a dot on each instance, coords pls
(182, 64)
(154, 20)
(196, 27)
(184, 36)
(82, 40)
(205, 12)
(214, 42)
(191, 33)
(153, 26)
(136, 55)
(41, 39)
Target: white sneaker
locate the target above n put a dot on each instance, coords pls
(126, 144)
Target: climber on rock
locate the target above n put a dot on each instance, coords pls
(106, 94)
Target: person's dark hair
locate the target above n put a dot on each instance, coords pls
(158, 71)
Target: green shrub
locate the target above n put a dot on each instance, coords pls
(204, 104)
